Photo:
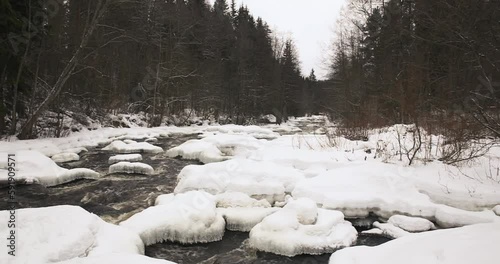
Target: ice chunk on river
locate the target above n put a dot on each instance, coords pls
(119, 146)
(125, 157)
(243, 219)
(131, 168)
(65, 157)
(291, 231)
(258, 179)
(186, 218)
(411, 224)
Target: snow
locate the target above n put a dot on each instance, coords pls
(496, 210)
(131, 168)
(215, 148)
(34, 167)
(390, 230)
(411, 224)
(125, 157)
(53, 234)
(65, 157)
(239, 199)
(465, 245)
(119, 146)
(186, 218)
(282, 232)
(254, 131)
(363, 188)
(117, 258)
(257, 179)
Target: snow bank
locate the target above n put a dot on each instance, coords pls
(254, 131)
(53, 234)
(126, 157)
(259, 180)
(186, 218)
(285, 233)
(378, 188)
(65, 157)
(34, 167)
(470, 244)
(131, 168)
(215, 148)
(119, 146)
(411, 224)
(117, 258)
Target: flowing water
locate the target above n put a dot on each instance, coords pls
(118, 196)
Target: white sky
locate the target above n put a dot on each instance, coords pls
(310, 22)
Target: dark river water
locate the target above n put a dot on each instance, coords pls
(118, 196)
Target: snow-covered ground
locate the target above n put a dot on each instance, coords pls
(293, 192)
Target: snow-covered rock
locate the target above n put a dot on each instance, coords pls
(65, 157)
(411, 224)
(243, 219)
(390, 230)
(125, 157)
(238, 199)
(34, 167)
(59, 233)
(465, 245)
(215, 148)
(282, 232)
(131, 168)
(132, 147)
(259, 180)
(186, 218)
(496, 210)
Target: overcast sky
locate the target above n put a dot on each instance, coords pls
(310, 22)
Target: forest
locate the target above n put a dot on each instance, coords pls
(434, 63)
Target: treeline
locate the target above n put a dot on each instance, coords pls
(159, 57)
(435, 63)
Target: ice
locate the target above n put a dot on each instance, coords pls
(390, 230)
(243, 219)
(132, 147)
(34, 167)
(131, 168)
(238, 199)
(496, 210)
(259, 180)
(411, 224)
(59, 233)
(282, 233)
(65, 157)
(125, 157)
(215, 148)
(465, 245)
(186, 218)
(117, 258)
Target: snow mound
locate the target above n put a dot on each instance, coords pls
(390, 230)
(34, 167)
(496, 210)
(243, 219)
(282, 233)
(119, 146)
(215, 148)
(411, 224)
(126, 157)
(117, 258)
(65, 157)
(186, 218)
(254, 131)
(53, 234)
(238, 199)
(131, 168)
(465, 245)
(257, 179)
